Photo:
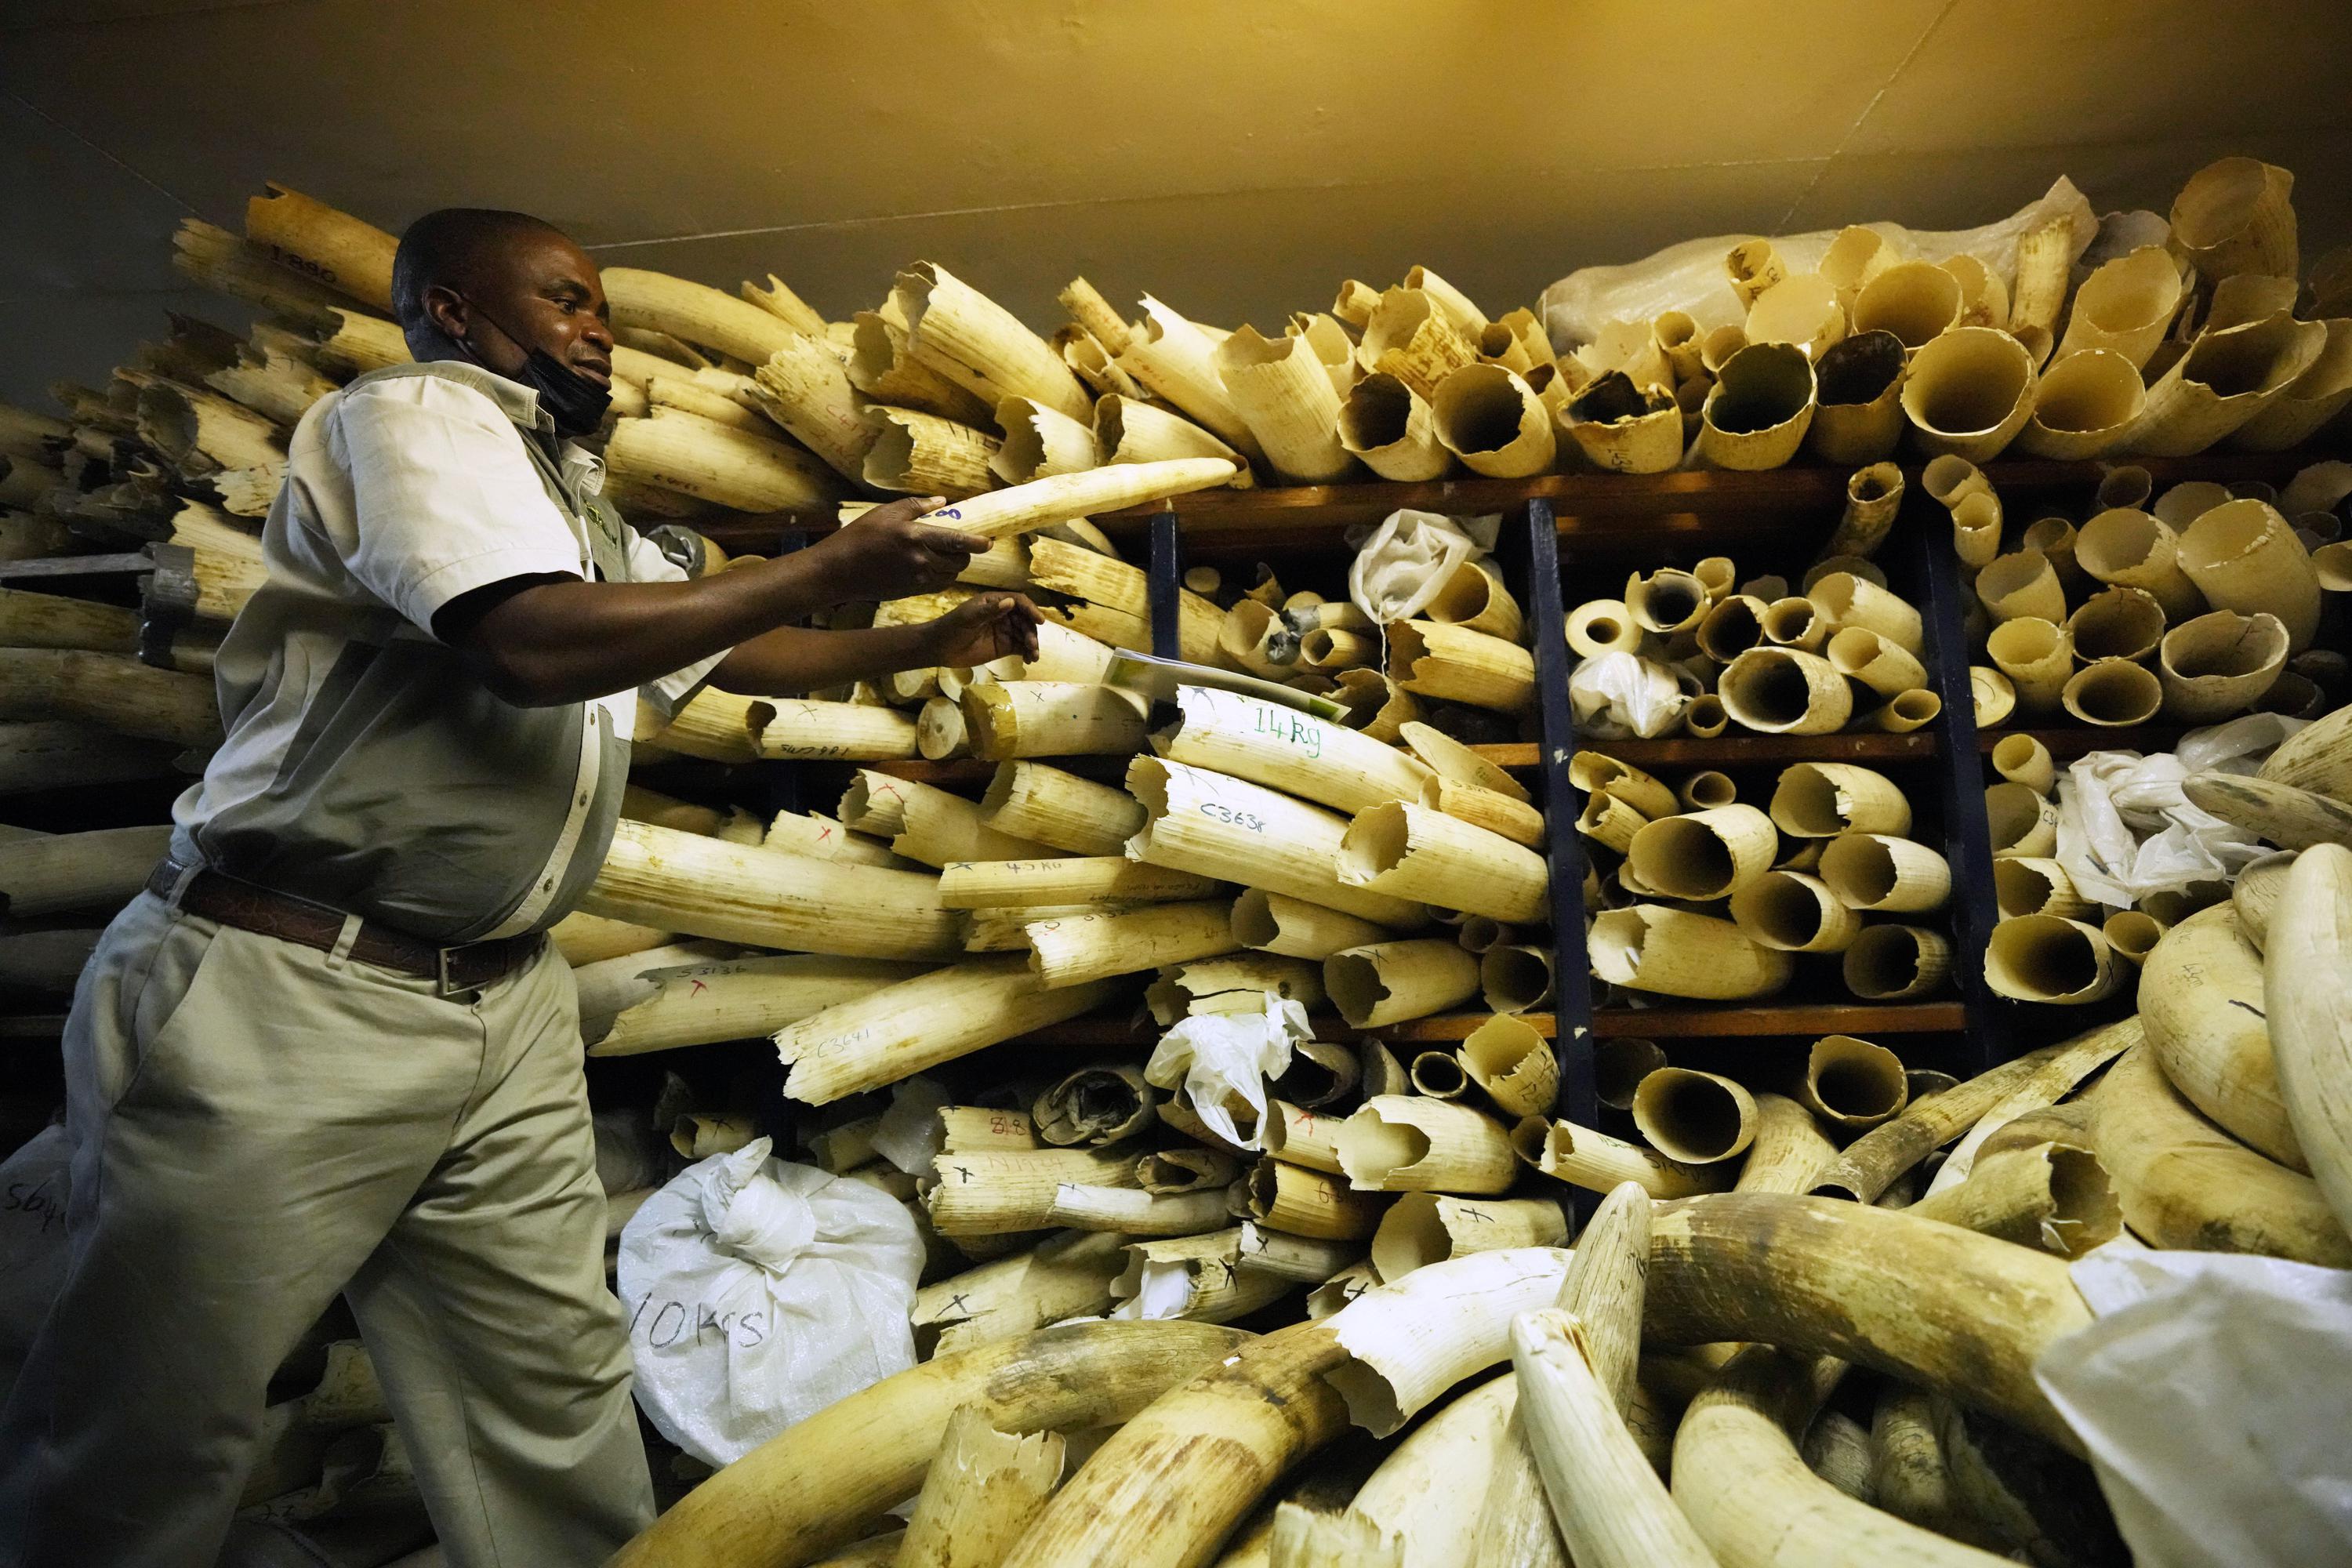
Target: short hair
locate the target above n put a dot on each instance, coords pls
(451, 247)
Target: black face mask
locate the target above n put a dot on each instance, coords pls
(574, 403)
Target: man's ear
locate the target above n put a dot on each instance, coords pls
(447, 309)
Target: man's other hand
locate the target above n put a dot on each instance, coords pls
(983, 628)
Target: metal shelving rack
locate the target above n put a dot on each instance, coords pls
(1554, 526)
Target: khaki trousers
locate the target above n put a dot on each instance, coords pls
(257, 1128)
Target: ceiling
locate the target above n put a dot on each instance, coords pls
(1235, 157)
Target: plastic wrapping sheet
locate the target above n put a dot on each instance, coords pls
(1222, 1059)
(1401, 563)
(1163, 1289)
(1617, 696)
(1690, 277)
(2119, 235)
(2212, 1392)
(911, 1136)
(2125, 830)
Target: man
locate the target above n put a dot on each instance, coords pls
(329, 1050)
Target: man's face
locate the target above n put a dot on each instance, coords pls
(539, 292)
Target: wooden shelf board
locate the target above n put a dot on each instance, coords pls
(1864, 1018)
(1708, 506)
(1520, 756)
(1517, 756)
(1729, 748)
(1447, 1026)
(1101, 1031)
(2068, 743)
(961, 770)
(1107, 1030)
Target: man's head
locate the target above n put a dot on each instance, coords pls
(492, 286)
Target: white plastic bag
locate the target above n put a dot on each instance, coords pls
(2238, 745)
(911, 1136)
(1616, 696)
(1689, 276)
(1400, 564)
(1224, 1059)
(758, 1293)
(1163, 1289)
(2126, 830)
(2211, 1393)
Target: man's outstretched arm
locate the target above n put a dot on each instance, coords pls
(793, 659)
(542, 640)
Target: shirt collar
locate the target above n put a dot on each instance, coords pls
(582, 470)
(516, 401)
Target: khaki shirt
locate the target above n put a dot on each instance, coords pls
(364, 768)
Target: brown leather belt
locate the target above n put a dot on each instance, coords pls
(252, 908)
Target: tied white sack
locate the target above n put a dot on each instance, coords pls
(1618, 696)
(758, 1293)
(2125, 830)
(1690, 277)
(2211, 1393)
(1400, 564)
(1222, 1060)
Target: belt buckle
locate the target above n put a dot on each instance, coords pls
(446, 987)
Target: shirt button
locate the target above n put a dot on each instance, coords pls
(583, 800)
(548, 886)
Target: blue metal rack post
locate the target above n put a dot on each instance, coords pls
(1968, 838)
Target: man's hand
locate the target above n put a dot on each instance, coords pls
(886, 554)
(983, 628)
(545, 639)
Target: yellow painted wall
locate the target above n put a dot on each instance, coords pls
(1236, 157)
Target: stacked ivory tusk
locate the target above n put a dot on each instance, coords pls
(1394, 1212)
(752, 402)
(2131, 607)
(88, 709)
(1237, 864)
(2051, 942)
(1679, 653)
(2189, 608)
(1702, 894)
(1626, 1429)
(884, 941)
(729, 402)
